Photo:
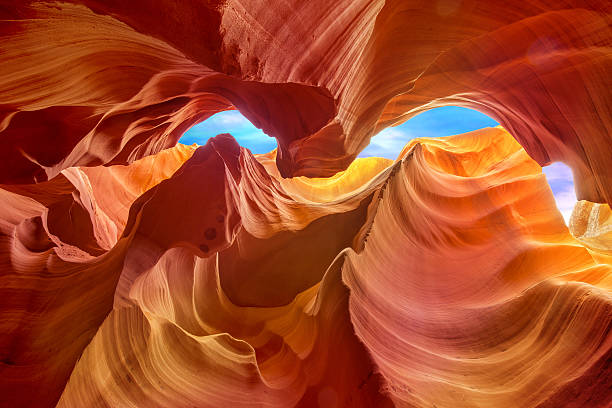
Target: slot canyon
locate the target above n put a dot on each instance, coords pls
(137, 271)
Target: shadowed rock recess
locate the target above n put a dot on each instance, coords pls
(138, 272)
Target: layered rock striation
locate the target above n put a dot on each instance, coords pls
(138, 272)
(446, 277)
(117, 81)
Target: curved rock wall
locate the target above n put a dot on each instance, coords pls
(447, 277)
(141, 273)
(116, 81)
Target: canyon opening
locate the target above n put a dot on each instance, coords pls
(364, 204)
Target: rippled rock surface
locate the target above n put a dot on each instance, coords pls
(138, 272)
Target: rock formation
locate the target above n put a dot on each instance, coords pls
(138, 272)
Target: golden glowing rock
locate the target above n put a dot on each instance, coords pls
(446, 277)
(141, 273)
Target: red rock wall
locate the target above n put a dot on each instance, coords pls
(126, 79)
(183, 276)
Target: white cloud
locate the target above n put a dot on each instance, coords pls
(561, 181)
(388, 135)
(388, 143)
(558, 171)
(566, 200)
(231, 118)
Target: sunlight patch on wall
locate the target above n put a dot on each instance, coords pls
(438, 122)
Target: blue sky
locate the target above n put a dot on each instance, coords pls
(445, 121)
(234, 123)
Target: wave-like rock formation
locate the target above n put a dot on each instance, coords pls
(138, 272)
(115, 81)
(446, 277)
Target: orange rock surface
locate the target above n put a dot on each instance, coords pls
(138, 272)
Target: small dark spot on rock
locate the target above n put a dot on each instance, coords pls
(210, 233)
(204, 248)
(7, 361)
(220, 218)
(366, 379)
